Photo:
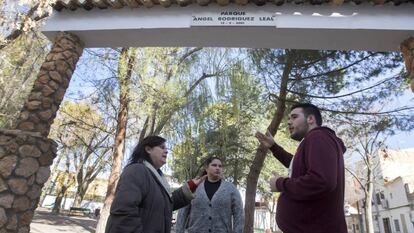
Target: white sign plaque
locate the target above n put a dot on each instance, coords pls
(233, 18)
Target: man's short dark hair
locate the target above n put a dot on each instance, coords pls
(310, 109)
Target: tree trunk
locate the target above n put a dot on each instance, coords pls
(58, 200)
(407, 49)
(369, 225)
(368, 197)
(124, 76)
(257, 164)
(85, 178)
(80, 194)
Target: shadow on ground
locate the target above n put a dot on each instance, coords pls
(44, 218)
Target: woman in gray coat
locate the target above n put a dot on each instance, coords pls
(143, 200)
(217, 207)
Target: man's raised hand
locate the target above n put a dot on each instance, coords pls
(266, 140)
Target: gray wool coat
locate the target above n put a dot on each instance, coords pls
(143, 202)
(223, 214)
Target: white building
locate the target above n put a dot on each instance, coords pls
(393, 207)
(393, 200)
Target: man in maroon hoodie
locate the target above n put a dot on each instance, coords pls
(312, 196)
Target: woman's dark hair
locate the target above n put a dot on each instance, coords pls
(140, 154)
(209, 160)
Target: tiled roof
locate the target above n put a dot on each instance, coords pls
(104, 4)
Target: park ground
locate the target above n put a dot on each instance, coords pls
(44, 221)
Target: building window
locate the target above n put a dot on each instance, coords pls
(407, 188)
(397, 225)
(378, 198)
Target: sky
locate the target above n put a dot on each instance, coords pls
(402, 140)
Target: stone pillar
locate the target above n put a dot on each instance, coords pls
(25, 159)
(407, 49)
(52, 81)
(26, 153)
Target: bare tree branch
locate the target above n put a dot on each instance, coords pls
(344, 95)
(337, 70)
(14, 34)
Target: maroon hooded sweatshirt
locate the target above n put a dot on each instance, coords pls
(312, 199)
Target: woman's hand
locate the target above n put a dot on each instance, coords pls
(197, 180)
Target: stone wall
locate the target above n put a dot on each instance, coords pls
(25, 159)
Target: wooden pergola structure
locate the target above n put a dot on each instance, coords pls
(26, 153)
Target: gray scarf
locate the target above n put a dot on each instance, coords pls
(160, 178)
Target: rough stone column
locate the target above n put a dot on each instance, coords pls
(52, 81)
(25, 159)
(26, 153)
(407, 49)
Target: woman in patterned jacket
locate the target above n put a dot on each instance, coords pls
(143, 200)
